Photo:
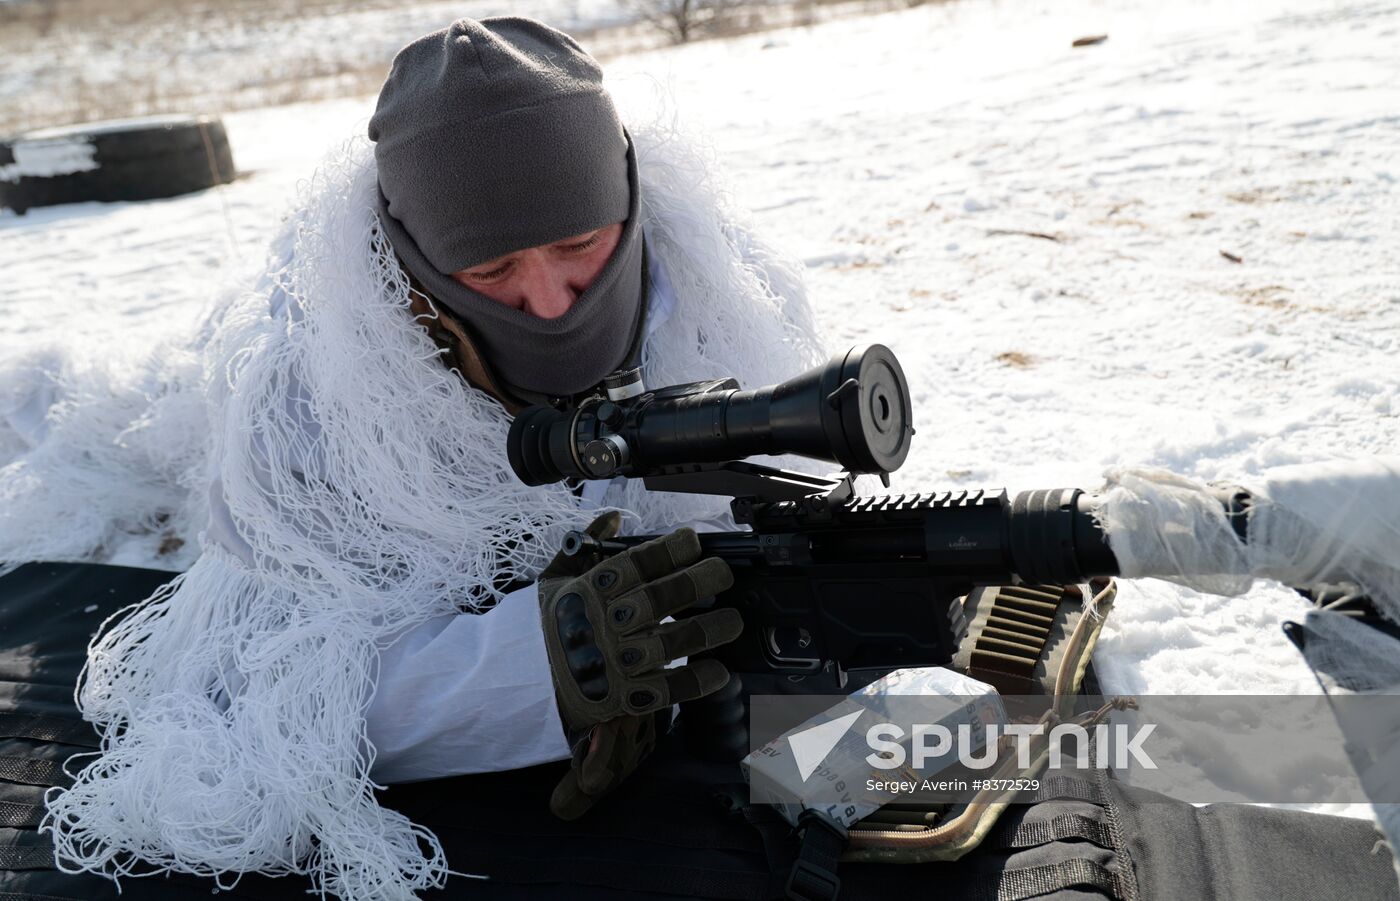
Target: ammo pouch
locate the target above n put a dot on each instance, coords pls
(1023, 640)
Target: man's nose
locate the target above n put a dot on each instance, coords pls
(548, 290)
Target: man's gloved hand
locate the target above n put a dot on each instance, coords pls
(608, 649)
(603, 757)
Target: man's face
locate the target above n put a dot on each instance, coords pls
(544, 281)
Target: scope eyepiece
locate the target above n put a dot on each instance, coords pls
(528, 447)
(855, 410)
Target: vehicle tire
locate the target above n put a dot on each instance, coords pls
(130, 159)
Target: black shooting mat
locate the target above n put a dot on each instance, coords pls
(677, 829)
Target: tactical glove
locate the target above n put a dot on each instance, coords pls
(608, 649)
(603, 757)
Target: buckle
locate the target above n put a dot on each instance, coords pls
(813, 876)
(809, 882)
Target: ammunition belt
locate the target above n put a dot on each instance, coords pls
(1014, 632)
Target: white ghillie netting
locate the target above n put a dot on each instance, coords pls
(1311, 525)
(99, 451)
(370, 486)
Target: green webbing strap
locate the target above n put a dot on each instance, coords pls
(1043, 832)
(28, 857)
(47, 728)
(32, 771)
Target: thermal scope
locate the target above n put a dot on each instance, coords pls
(855, 411)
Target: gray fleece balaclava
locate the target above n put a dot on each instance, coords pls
(493, 136)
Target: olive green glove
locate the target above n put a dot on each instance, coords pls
(603, 757)
(608, 649)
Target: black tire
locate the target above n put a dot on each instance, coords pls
(133, 159)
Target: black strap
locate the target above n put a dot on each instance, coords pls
(1032, 882)
(629, 825)
(813, 876)
(1043, 832)
(1070, 787)
(27, 857)
(32, 771)
(20, 816)
(47, 728)
(776, 834)
(711, 881)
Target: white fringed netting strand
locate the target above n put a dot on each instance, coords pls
(99, 450)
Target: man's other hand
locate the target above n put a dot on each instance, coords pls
(608, 650)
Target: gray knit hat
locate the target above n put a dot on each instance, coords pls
(494, 136)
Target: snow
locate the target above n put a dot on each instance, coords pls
(45, 157)
(1038, 231)
(106, 126)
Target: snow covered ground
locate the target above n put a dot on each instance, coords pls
(140, 57)
(1040, 233)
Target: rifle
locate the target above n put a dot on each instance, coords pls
(817, 554)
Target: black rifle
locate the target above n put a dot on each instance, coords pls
(833, 582)
(835, 588)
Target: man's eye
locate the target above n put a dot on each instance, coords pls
(581, 246)
(490, 274)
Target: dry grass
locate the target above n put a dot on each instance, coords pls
(67, 61)
(43, 17)
(1277, 298)
(72, 61)
(1016, 359)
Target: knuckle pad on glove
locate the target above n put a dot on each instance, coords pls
(578, 645)
(622, 616)
(646, 698)
(623, 577)
(639, 654)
